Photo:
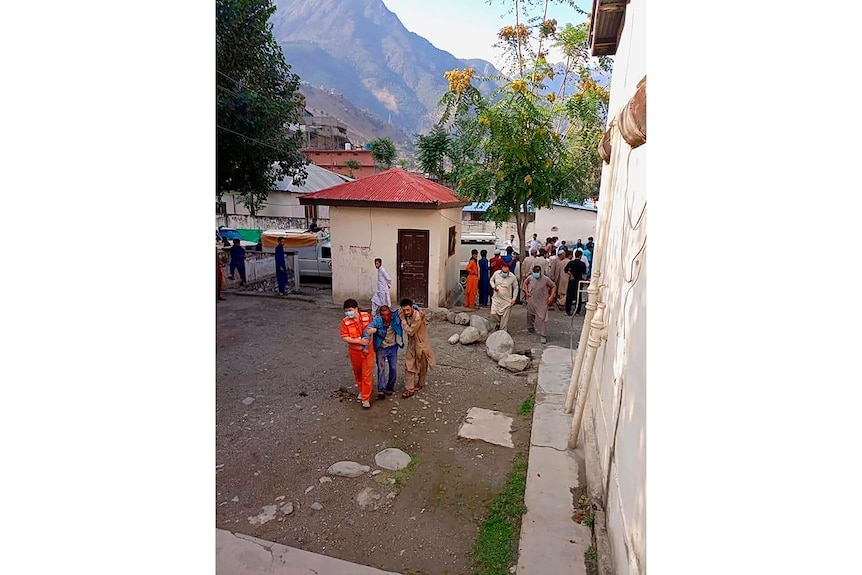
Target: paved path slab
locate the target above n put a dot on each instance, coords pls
(238, 554)
(487, 425)
(551, 541)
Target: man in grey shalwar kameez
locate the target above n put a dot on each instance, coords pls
(384, 282)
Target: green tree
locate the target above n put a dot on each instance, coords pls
(403, 163)
(527, 146)
(383, 152)
(434, 152)
(257, 101)
(352, 165)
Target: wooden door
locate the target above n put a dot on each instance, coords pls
(413, 266)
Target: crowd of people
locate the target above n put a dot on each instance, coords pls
(565, 267)
(549, 277)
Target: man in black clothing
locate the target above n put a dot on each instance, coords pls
(591, 246)
(577, 271)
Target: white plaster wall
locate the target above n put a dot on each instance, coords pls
(358, 235)
(278, 205)
(571, 223)
(618, 388)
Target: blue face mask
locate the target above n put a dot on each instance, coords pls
(350, 314)
(537, 275)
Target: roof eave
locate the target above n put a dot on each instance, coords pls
(373, 204)
(606, 26)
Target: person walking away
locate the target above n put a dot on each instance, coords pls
(555, 267)
(528, 264)
(511, 259)
(353, 325)
(219, 278)
(419, 356)
(540, 291)
(472, 289)
(577, 271)
(237, 261)
(280, 267)
(563, 285)
(504, 287)
(543, 261)
(384, 282)
(484, 278)
(496, 263)
(388, 337)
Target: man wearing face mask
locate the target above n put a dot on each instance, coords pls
(541, 291)
(353, 333)
(504, 286)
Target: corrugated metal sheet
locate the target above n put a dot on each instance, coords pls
(318, 179)
(606, 24)
(393, 186)
(584, 206)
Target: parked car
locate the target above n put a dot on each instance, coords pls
(227, 235)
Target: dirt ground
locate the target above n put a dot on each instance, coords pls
(287, 355)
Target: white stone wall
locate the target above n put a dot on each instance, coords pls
(618, 387)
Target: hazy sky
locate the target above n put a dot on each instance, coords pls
(468, 28)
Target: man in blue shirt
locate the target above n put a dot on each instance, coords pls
(237, 261)
(388, 337)
(280, 267)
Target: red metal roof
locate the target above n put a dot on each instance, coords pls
(392, 188)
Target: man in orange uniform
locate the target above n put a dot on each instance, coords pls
(472, 280)
(353, 328)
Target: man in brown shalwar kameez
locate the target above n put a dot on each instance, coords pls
(541, 291)
(419, 356)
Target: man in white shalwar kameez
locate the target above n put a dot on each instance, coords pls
(384, 282)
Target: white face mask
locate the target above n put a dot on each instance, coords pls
(504, 274)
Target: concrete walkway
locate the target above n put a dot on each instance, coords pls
(551, 541)
(238, 554)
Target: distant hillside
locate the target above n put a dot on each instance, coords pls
(362, 126)
(362, 50)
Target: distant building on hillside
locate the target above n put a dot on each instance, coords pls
(335, 160)
(322, 132)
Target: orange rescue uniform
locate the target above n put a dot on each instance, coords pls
(361, 361)
(472, 283)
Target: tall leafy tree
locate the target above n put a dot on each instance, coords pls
(529, 145)
(434, 153)
(257, 104)
(383, 151)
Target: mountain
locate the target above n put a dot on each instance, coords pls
(362, 126)
(359, 48)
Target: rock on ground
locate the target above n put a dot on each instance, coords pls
(454, 338)
(469, 335)
(248, 400)
(482, 324)
(499, 344)
(268, 514)
(450, 317)
(316, 506)
(347, 469)
(287, 508)
(392, 459)
(514, 362)
(437, 314)
(462, 318)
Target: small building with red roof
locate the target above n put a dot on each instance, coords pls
(408, 221)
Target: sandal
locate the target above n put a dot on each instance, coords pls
(408, 393)
(419, 387)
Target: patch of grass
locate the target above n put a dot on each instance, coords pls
(591, 557)
(496, 545)
(527, 407)
(402, 475)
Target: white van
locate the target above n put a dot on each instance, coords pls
(475, 241)
(313, 250)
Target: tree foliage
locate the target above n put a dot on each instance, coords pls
(383, 151)
(434, 153)
(257, 101)
(527, 145)
(352, 165)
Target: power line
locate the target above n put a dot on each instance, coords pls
(252, 139)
